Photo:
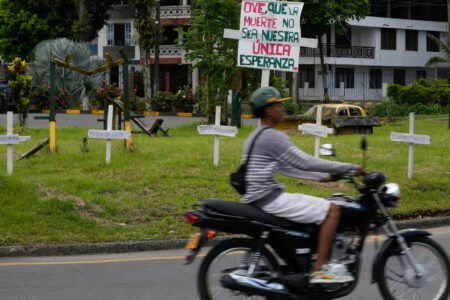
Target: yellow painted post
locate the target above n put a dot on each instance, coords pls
(52, 119)
(52, 139)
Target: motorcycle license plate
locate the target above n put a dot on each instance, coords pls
(193, 241)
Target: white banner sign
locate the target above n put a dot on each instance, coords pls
(109, 134)
(270, 35)
(410, 138)
(230, 131)
(314, 129)
(9, 139)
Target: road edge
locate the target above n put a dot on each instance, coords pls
(136, 246)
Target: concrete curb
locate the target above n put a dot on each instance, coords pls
(135, 246)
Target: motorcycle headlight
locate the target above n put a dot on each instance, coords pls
(390, 195)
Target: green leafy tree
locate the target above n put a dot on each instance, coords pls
(210, 51)
(318, 16)
(19, 84)
(144, 22)
(23, 24)
(77, 84)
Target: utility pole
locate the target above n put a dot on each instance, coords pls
(156, 72)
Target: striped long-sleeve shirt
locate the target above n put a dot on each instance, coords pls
(274, 152)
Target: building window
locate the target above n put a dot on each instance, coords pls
(345, 75)
(307, 75)
(119, 34)
(411, 40)
(388, 39)
(127, 34)
(421, 74)
(375, 78)
(110, 34)
(432, 46)
(399, 76)
(344, 39)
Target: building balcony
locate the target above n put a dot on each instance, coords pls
(168, 51)
(340, 51)
(174, 15)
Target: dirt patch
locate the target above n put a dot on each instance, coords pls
(80, 204)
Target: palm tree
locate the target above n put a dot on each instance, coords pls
(78, 84)
(444, 47)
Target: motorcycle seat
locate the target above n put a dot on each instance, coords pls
(247, 211)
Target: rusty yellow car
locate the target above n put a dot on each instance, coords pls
(343, 118)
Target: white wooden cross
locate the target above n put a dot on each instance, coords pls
(217, 130)
(9, 140)
(316, 129)
(109, 134)
(412, 139)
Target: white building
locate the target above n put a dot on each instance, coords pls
(388, 46)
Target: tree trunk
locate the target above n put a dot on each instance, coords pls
(146, 74)
(326, 98)
(85, 102)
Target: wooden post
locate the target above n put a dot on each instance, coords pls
(411, 146)
(126, 99)
(217, 130)
(217, 137)
(52, 119)
(109, 128)
(9, 140)
(9, 151)
(412, 139)
(318, 122)
(109, 134)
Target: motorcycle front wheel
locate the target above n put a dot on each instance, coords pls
(232, 256)
(397, 279)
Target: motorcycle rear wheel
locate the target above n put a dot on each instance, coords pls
(397, 282)
(231, 256)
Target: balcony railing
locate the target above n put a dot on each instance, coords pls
(168, 12)
(168, 51)
(340, 51)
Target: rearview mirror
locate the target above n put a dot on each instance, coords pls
(327, 150)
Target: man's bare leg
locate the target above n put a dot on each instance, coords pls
(326, 235)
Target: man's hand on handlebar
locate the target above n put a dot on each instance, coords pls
(362, 171)
(337, 176)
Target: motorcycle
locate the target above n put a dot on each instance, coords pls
(275, 260)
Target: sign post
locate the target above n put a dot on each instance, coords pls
(412, 139)
(270, 37)
(109, 134)
(217, 130)
(9, 140)
(316, 129)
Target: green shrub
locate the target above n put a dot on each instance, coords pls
(421, 91)
(162, 101)
(290, 107)
(185, 100)
(390, 108)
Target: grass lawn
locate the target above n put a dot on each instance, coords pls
(74, 196)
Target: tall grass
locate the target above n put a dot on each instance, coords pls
(74, 196)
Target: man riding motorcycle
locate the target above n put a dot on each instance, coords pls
(273, 153)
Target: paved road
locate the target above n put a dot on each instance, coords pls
(158, 275)
(90, 121)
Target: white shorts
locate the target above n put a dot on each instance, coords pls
(299, 208)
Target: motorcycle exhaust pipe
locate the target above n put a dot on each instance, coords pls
(254, 286)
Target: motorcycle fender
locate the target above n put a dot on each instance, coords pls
(193, 254)
(391, 242)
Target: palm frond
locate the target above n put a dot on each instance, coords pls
(433, 61)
